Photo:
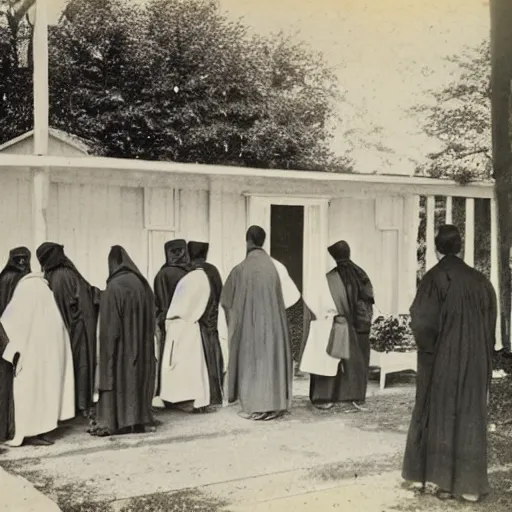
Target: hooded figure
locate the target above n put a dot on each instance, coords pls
(127, 357)
(177, 264)
(209, 321)
(76, 302)
(346, 346)
(18, 266)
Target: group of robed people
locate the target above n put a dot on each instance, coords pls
(169, 346)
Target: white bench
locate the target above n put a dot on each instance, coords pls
(392, 362)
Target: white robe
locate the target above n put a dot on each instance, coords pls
(291, 293)
(315, 359)
(44, 387)
(184, 371)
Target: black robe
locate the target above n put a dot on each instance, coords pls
(127, 353)
(208, 324)
(453, 318)
(9, 279)
(6, 393)
(75, 298)
(351, 380)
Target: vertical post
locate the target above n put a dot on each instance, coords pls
(495, 278)
(41, 178)
(501, 41)
(449, 210)
(430, 258)
(469, 238)
(215, 232)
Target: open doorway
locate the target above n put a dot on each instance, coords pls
(287, 246)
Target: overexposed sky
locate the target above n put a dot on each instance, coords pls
(387, 53)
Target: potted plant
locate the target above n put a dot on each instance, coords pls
(392, 345)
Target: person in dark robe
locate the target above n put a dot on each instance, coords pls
(127, 361)
(208, 323)
(177, 265)
(75, 298)
(453, 319)
(18, 266)
(255, 297)
(355, 295)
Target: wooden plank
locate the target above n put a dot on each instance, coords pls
(469, 238)
(430, 258)
(449, 210)
(40, 194)
(40, 83)
(215, 228)
(495, 280)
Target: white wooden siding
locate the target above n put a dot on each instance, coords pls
(374, 229)
(194, 215)
(88, 220)
(16, 214)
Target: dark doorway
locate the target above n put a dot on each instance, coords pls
(286, 246)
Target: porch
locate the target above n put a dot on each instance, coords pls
(90, 203)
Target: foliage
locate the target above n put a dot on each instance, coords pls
(16, 108)
(180, 81)
(392, 333)
(460, 118)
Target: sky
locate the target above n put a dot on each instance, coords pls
(388, 55)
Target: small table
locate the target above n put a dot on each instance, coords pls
(391, 362)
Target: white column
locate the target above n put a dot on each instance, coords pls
(40, 85)
(409, 268)
(430, 257)
(215, 232)
(469, 238)
(41, 178)
(449, 210)
(40, 194)
(495, 280)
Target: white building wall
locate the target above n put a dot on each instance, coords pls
(380, 240)
(89, 219)
(15, 214)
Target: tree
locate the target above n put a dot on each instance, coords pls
(180, 81)
(16, 105)
(460, 119)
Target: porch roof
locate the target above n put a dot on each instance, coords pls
(135, 172)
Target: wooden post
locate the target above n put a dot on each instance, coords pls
(469, 238)
(430, 258)
(215, 232)
(449, 210)
(495, 277)
(501, 42)
(41, 178)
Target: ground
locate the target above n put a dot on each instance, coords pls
(307, 461)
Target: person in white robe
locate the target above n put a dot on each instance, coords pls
(40, 351)
(184, 371)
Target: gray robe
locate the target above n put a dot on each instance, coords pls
(260, 358)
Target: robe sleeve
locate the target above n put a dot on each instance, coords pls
(110, 334)
(65, 287)
(425, 311)
(291, 294)
(160, 293)
(227, 296)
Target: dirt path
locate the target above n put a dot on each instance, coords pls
(308, 460)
